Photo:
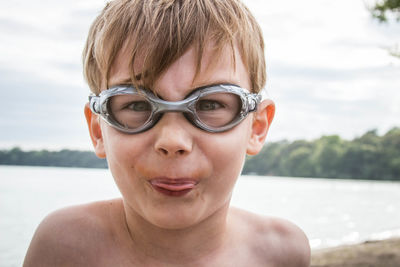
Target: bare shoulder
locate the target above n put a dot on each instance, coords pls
(72, 235)
(272, 240)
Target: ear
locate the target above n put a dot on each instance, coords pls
(261, 121)
(95, 132)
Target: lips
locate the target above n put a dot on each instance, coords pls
(173, 187)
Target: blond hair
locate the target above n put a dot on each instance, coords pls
(161, 31)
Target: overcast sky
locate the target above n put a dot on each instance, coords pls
(328, 70)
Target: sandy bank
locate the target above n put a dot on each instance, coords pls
(383, 253)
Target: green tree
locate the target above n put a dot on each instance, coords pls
(369, 156)
(267, 162)
(62, 158)
(380, 11)
(382, 8)
(364, 158)
(391, 157)
(299, 162)
(326, 157)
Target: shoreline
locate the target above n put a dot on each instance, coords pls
(371, 253)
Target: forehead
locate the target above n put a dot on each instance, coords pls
(216, 66)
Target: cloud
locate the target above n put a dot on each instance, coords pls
(37, 113)
(10, 26)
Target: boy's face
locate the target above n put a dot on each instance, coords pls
(175, 154)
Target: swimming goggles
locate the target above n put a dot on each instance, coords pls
(214, 108)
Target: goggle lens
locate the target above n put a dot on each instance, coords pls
(130, 111)
(218, 109)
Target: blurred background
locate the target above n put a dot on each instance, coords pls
(333, 72)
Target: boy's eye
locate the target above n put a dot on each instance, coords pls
(207, 105)
(139, 106)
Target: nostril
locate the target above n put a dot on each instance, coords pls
(180, 152)
(163, 151)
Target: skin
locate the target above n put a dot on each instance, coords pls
(146, 228)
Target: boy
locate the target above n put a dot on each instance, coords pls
(171, 114)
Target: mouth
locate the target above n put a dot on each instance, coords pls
(173, 187)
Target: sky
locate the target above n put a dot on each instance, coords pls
(329, 71)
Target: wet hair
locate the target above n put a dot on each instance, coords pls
(160, 31)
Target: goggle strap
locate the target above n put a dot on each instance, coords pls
(94, 103)
(254, 100)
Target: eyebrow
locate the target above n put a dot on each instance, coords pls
(126, 81)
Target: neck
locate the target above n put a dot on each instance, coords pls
(194, 243)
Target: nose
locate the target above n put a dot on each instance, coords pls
(173, 136)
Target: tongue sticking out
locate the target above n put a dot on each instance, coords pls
(173, 187)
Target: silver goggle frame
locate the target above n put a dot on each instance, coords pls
(99, 105)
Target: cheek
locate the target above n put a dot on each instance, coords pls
(123, 153)
(122, 150)
(225, 154)
(227, 150)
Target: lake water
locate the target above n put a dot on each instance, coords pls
(331, 212)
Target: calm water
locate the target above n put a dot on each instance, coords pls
(331, 212)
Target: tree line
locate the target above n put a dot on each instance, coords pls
(367, 157)
(62, 158)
